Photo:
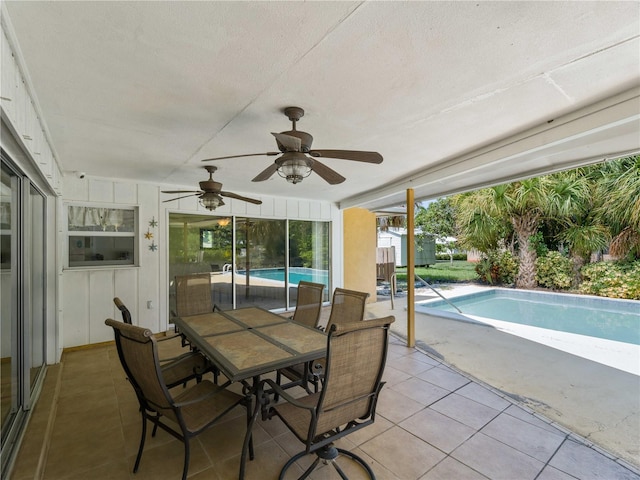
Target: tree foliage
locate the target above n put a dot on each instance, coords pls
(579, 211)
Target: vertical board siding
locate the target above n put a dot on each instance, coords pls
(87, 294)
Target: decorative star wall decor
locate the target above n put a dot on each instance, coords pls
(149, 234)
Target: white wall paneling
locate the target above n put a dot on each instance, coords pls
(76, 304)
(101, 304)
(88, 294)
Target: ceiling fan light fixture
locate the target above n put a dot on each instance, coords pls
(210, 201)
(294, 170)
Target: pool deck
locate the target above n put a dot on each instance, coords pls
(595, 401)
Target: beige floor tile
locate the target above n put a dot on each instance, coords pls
(97, 431)
(404, 454)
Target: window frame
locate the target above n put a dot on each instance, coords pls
(88, 264)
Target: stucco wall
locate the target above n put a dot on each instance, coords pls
(360, 244)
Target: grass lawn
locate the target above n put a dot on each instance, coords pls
(442, 271)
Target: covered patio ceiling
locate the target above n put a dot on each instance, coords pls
(454, 95)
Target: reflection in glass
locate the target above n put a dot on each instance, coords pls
(309, 255)
(101, 236)
(254, 269)
(260, 247)
(202, 243)
(94, 219)
(8, 302)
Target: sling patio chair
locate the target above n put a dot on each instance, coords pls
(179, 363)
(307, 312)
(347, 306)
(184, 415)
(356, 356)
(193, 294)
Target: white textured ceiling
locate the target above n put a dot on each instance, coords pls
(453, 94)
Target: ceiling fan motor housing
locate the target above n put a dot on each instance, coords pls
(210, 186)
(305, 139)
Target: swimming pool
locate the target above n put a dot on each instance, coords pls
(601, 329)
(296, 274)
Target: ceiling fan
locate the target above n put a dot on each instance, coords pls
(211, 193)
(297, 160)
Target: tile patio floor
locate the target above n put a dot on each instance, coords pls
(433, 423)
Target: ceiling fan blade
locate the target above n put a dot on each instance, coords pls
(356, 155)
(195, 194)
(290, 143)
(330, 176)
(240, 197)
(268, 154)
(266, 173)
(180, 191)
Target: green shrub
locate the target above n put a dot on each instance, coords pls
(456, 256)
(553, 270)
(612, 279)
(498, 268)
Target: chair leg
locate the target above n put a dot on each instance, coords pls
(142, 437)
(185, 468)
(327, 454)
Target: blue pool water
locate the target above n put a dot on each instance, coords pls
(617, 320)
(296, 274)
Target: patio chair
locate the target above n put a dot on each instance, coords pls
(178, 363)
(192, 410)
(170, 347)
(308, 303)
(307, 312)
(193, 294)
(356, 356)
(347, 306)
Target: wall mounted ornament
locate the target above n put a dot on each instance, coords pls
(149, 234)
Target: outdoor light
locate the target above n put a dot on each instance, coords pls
(223, 222)
(210, 200)
(294, 166)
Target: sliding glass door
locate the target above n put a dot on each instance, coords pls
(22, 299)
(252, 261)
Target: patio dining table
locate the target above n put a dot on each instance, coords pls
(248, 342)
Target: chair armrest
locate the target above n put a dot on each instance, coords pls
(210, 390)
(273, 386)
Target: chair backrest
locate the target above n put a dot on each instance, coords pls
(308, 303)
(126, 314)
(356, 356)
(193, 294)
(139, 358)
(347, 306)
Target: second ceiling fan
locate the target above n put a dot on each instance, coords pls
(297, 160)
(211, 193)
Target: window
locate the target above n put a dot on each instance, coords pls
(251, 260)
(101, 236)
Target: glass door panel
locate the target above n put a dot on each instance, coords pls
(201, 243)
(36, 319)
(308, 255)
(8, 301)
(260, 263)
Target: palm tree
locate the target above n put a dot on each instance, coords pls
(581, 225)
(620, 189)
(524, 204)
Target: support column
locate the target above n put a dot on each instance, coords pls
(411, 255)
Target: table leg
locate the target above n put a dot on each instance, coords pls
(254, 390)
